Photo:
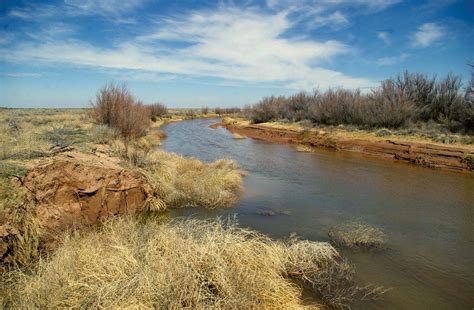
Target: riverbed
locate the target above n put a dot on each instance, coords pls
(428, 215)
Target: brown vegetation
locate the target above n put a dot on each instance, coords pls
(357, 235)
(156, 110)
(153, 263)
(115, 107)
(397, 102)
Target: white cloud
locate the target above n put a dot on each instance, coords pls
(427, 34)
(374, 5)
(386, 61)
(384, 36)
(112, 9)
(21, 74)
(335, 20)
(230, 44)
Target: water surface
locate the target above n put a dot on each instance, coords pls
(428, 215)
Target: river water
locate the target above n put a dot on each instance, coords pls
(427, 215)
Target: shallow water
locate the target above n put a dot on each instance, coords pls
(428, 215)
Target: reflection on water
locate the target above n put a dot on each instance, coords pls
(428, 215)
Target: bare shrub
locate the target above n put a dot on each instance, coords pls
(227, 111)
(407, 98)
(156, 110)
(357, 235)
(115, 106)
(205, 110)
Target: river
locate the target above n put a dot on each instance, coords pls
(427, 215)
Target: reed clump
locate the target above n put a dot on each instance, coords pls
(357, 235)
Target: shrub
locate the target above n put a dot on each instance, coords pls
(115, 106)
(411, 97)
(156, 110)
(205, 110)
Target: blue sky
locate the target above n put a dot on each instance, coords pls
(222, 53)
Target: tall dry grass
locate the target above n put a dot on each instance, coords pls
(185, 182)
(188, 264)
(133, 263)
(20, 231)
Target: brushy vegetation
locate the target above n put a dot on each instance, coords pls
(117, 108)
(138, 263)
(357, 235)
(156, 111)
(227, 111)
(397, 102)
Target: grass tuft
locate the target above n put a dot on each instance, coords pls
(358, 235)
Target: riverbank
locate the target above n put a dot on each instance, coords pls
(409, 149)
(78, 199)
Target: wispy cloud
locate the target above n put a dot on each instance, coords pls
(21, 74)
(385, 37)
(374, 5)
(334, 20)
(386, 61)
(111, 9)
(427, 34)
(229, 43)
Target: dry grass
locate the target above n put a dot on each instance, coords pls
(178, 264)
(30, 133)
(20, 231)
(358, 235)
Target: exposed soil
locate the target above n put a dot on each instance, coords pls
(424, 154)
(70, 193)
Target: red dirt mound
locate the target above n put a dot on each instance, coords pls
(69, 193)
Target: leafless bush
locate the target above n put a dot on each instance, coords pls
(115, 106)
(156, 110)
(205, 110)
(411, 97)
(227, 111)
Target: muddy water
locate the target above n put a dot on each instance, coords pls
(428, 215)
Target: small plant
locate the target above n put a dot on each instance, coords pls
(357, 235)
(60, 135)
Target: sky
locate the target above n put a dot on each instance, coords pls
(187, 53)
